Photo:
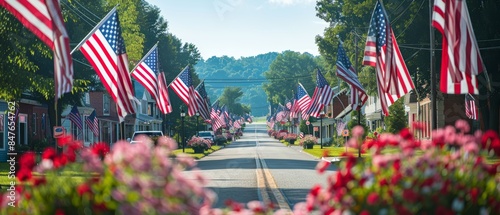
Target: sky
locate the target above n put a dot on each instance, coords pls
(243, 28)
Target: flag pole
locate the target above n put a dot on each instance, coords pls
(432, 72)
(144, 58)
(94, 29)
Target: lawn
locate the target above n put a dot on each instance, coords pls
(190, 152)
(333, 151)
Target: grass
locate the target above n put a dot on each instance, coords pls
(333, 151)
(190, 152)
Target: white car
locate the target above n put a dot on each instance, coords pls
(151, 134)
(207, 135)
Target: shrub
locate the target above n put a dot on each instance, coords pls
(220, 140)
(308, 140)
(199, 142)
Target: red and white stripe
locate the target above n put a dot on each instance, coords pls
(146, 76)
(44, 19)
(461, 61)
(163, 101)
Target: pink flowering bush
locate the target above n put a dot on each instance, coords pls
(129, 179)
(199, 142)
(446, 175)
(308, 141)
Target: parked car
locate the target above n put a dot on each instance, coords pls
(151, 134)
(207, 135)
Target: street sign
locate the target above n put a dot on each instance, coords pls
(58, 131)
(345, 133)
(307, 122)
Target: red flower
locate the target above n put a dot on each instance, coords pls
(396, 165)
(406, 134)
(410, 195)
(396, 178)
(70, 155)
(64, 140)
(474, 192)
(60, 161)
(100, 149)
(49, 153)
(59, 212)
(444, 211)
(83, 189)
(487, 138)
(372, 198)
(315, 190)
(383, 182)
(322, 166)
(365, 212)
(24, 174)
(27, 160)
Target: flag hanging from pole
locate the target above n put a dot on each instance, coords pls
(44, 19)
(470, 107)
(163, 100)
(202, 101)
(346, 72)
(182, 85)
(146, 70)
(74, 116)
(104, 48)
(93, 123)
(382, 52)
(303, 101)
(322, 96)
(461, 61)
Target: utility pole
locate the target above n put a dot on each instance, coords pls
(433, 74)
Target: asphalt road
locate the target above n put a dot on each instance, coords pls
(257, 167)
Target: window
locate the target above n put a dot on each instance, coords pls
(105, 105)
(87, 98)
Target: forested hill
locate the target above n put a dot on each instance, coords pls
(246, 72)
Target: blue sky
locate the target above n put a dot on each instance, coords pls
(242, 28)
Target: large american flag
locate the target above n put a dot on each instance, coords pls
(215, 116)
(382, 52)
(470, 107)
(346, 72)
(74, 116)
(202, 101)
(461, 61)
(182, 85)
(163, 100)
(105, 50)
(322, 96)
(93, 123)
(44, 19)
(146, 70)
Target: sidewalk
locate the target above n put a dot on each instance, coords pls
(329, 159)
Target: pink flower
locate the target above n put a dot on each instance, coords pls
(462, 126)
(358, 131)
(322, 166)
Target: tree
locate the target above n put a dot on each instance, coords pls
(285, 72)
(397, 118)
(231, 98)
(354, 121)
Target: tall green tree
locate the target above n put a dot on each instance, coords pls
(231, 98)
(397, 118)
(285, 72)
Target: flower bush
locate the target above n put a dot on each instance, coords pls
(308, 140)
(220, 140)
(449, 174)
(291, 138)
(129, 179)
(199, 142)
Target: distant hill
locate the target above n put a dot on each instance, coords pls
(246, 72)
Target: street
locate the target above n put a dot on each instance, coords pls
(258, 167)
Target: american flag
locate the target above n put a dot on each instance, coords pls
(183, 87)
(303, 101)
(163, 100)
(74, 116)
(146, 70)
(93, 123)
(301, 135)
(340, 127)
(470, 107)
(44, 19)
(322, 96)
(202, 101)
(382, 52)
(461, 61)
(105, 50)
(346, 72)
(215, 116)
